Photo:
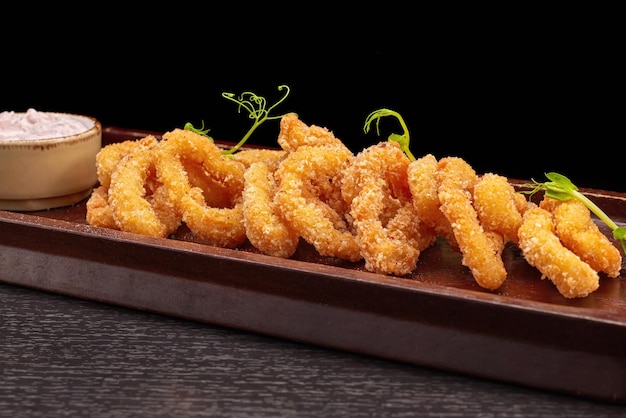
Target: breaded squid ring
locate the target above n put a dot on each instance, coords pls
(99, 213)
(109, 156)
(295, 133)
(481, 251)
(542, 249)
(495, 202)
(387, 227)
(266, 229)
(309, 197)
(182, 152)
(423, 186)
(138, 202)
(578, 232)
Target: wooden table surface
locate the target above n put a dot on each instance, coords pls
(61, 356)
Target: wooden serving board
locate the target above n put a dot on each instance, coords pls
(524, 333)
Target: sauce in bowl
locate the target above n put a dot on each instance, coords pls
(47, 159)
(35, 125)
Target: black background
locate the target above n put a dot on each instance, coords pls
(516, 92)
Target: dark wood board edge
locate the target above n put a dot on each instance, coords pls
(339, 309)
(462, 331)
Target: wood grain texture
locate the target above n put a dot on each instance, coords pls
(61, 356)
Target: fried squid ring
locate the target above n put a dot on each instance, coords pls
(495, 202)
(387, 227)
(542, 248)
(294, 133)
(138, 201)
(99, 213)
(481, 250)
(423, 186)
(309, 197)
(578, 232)
(109, 156)
(266, 229)
(183, 152)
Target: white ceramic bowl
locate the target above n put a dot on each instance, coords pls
(37, 174)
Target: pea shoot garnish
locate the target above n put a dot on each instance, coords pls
(561, 188)
(257, 109)
(403, 140)
(204, 132)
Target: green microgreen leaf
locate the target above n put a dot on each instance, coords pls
(404, 139)
(255, 105)
(202, 131)
(561, 188)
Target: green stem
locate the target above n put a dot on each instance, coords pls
(595, 209)
(403, 140)
(243, 140)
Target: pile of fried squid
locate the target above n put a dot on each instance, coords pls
(377, 206)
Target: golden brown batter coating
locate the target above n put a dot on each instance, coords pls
(388, 228)
(579, 233)
(266, 228)
(481, 250)
(495, 202)
(138, 200)
(99, 212)
(219, 225)
(294, 133)
(542, 249)
(309, 197)
(423, 186)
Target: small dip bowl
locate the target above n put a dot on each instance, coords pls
(44, 167)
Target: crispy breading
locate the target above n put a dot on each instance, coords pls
(99, 212)
(542, 248)
(294, 133)
(266, 228)
(495, 202)
(388, 229)
(309, 198)
(138, 201)
(219, 225)
(579, 233)
(423, 185)
(481, 250)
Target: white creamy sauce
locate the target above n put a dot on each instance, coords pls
(33, 124)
